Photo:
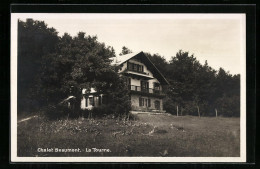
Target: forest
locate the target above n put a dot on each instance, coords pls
(52, 67)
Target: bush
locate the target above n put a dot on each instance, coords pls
(101, 110)
(228, 106)
(169, 106)
(54, 112)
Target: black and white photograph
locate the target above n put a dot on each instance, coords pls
(128, 87)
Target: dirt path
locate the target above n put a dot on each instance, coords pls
(26, 119)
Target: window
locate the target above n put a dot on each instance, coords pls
(144, 85)
(149, 102)
(91, 101)
(141, 101)
(140, 68)
(135, 67)
(156, 86)
(144, 102)
(132, 66)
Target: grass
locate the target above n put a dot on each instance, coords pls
(149, 135)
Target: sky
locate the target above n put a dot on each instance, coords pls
(217, 38)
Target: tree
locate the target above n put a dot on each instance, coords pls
(200, 88)
(125, 51)
(82, 63)
(160, 63)
(35, 40)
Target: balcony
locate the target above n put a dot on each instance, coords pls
(145, 91)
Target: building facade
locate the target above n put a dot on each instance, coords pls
(144, 81)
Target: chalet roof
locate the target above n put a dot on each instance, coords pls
(123, 58)
(67, 99)
(118, 60)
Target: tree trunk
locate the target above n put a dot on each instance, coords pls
(177, 111)
(216, 112)
(198, 110)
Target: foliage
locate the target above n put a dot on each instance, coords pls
(125, 51)
(72, 64)
(83, 63)
(35, 40)
(170, 106)
(54, 112)
(198, 89)
(160, 62)
(228, 106)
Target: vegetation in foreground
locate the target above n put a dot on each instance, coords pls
(144, 135)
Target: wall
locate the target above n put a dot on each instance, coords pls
(124, 67)
(135, 103)
(145, 68)
(89, 107)
(137, 82)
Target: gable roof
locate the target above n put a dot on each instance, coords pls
(118, 60)
(124, 58)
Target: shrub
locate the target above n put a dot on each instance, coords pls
(54, 112)
(169, 106)
(228, 106)
(101, 110)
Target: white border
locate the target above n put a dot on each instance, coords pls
(14, 158)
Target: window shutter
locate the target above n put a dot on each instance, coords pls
(140, 101)
(149, 102)
(99, 100)
(86, 101)
(93, 100)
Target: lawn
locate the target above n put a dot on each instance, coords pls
(146, 135)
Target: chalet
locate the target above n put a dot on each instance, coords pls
(145, 82)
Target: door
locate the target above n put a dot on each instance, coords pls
(144, 86)
(157, 104)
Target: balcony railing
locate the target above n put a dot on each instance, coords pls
(144, 90)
